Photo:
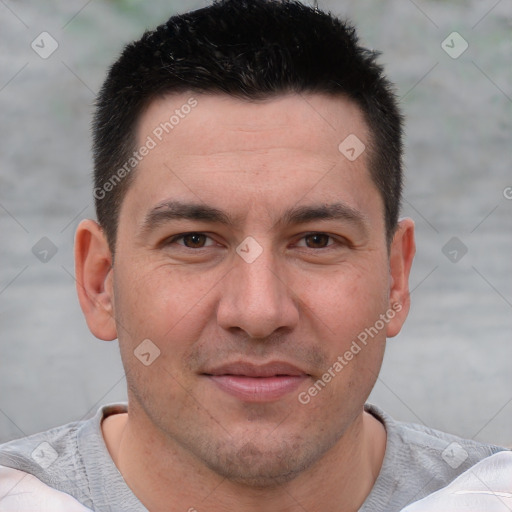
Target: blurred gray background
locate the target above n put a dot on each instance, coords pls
(450, 368)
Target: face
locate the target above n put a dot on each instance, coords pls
(251, 252)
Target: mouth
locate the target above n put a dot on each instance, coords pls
(257, 383)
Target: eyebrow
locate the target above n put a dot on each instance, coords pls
(177, 210)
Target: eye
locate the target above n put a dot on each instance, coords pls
(191, 240)
(317, 241)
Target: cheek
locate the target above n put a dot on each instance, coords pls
(152, 301)
(161, 307)
(348, 309)
(347, 301)
(159, 304)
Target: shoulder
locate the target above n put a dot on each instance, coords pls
(60, 447)
(420, 460)
(64, 458)
(424, 445)
(37, 453)
(485, 486)
(20, 491)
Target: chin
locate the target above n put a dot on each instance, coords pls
(260, 466)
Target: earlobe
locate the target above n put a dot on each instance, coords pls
(401, 256)
(93, 270)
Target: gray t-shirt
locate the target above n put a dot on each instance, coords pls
(74, 459)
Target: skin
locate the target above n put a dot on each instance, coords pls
(302, 301)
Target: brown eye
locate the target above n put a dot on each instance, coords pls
(317, 240)
(194, 240)
(191, 240)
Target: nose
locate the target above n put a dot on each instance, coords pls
(256, 298)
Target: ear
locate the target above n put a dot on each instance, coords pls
(93, 270)
(402, 252)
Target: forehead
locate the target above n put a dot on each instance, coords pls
(223, 123)
(236, 153)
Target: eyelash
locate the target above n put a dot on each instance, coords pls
(312, 233)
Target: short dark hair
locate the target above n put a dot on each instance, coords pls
(250, 49)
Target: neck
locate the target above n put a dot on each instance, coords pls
(153, 468)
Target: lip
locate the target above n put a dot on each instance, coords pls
(257, 383)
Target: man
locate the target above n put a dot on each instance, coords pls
(249, 257)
